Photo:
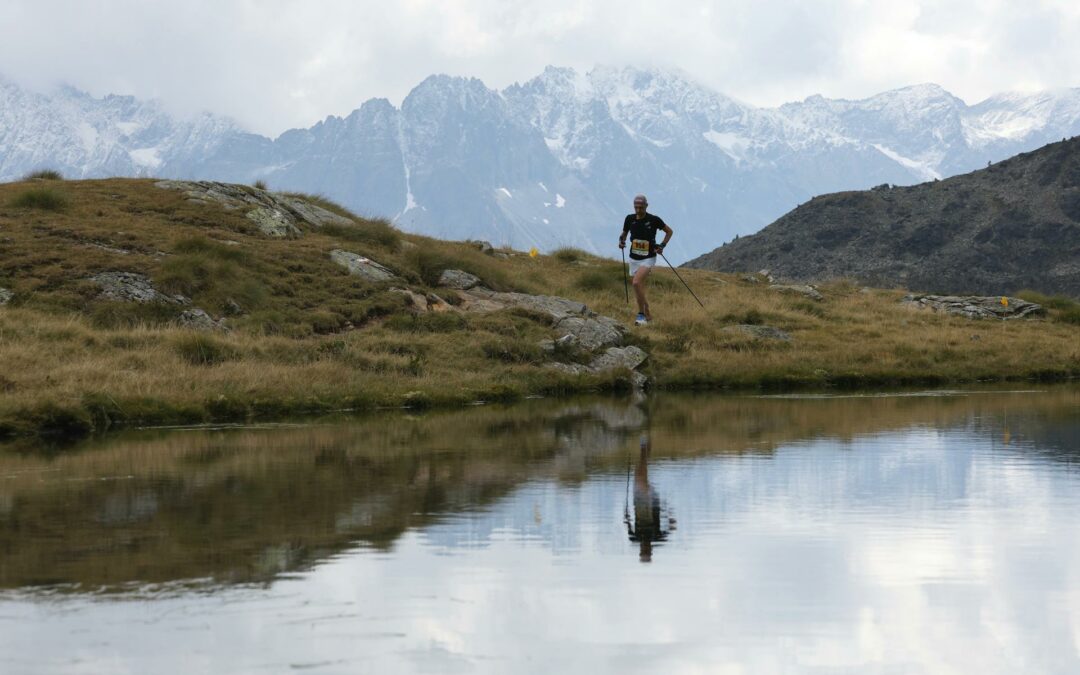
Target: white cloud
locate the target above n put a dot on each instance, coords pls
(283, 63)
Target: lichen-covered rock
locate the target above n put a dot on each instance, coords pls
(5, 296)
(313, 214)
(417, 303)
(132, 287)
(798, 289)
(975, 307)
(619, 357)
(197, 319)
(459, 280)
(759, 332)
(592, 332)
(361, 266)
(277, 215)
(274, 222)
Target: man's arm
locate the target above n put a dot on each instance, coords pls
(667, 237)
(622, 237)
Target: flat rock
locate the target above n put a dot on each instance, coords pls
(361, 266)
(759, 332)
(132, 287)
(5, 296)
(458, 279)
(555, 307)
(973, 306)
(197, 319)
(418, 303)
(798, 289)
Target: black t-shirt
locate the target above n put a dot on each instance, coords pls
(643, 230)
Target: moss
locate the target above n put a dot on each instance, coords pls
(45, 199)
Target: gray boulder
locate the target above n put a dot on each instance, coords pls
(313, 214)
(592, 332)
(619, 357)
(798, 289)
(5, 296)
(459, 280)
(974, 307)
(197, 319)
(361, 266)
(132, 287)
(274, 222)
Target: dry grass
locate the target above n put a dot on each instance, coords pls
(309, 337)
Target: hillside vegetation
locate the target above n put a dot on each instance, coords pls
(304, 335)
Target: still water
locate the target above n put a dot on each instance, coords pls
(905, 533)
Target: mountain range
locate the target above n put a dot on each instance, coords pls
(553, 161)
(1011, 226)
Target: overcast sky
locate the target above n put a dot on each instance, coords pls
(275, 64)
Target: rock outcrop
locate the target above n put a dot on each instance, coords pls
(197, 319)
(458, 279)
(132, 287)
(361, 266)
(277, 216)
(804, 290)
(5, 296)
(975, 307)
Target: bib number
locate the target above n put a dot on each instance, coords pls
(639, 247)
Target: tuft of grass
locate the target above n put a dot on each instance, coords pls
(46, 199)
(1070, 316)
(377, 232)
(430, 322)
(200, 349)
(44, 174)
(510, 350)
(568, 254)
(259, 185)
(1048, 301)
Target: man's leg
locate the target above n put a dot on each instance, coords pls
(639, 290)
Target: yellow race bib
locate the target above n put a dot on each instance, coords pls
(639, 247)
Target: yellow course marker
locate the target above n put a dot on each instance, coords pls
(533, 252)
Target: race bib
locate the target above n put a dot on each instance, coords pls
(639, 247)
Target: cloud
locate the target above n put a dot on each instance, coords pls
(283, 63)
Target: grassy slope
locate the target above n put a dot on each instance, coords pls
(310, 337)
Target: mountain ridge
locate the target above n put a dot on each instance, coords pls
(551, 161)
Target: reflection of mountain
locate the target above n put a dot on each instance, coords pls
(247, 505)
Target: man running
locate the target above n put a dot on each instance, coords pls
(642, 228)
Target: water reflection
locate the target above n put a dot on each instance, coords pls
(652, 520)
(863, 534)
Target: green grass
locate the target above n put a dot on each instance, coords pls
(44, 174)
(46, 199)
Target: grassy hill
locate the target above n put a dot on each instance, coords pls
(304, 335)
(1011, 226)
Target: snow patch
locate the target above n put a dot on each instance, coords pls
(921, 169)
(542, 186)
(145, 157)
(88, 136)
(506, 192)
(559, 201)
(546, 221)
(128, 128)
(732, 145)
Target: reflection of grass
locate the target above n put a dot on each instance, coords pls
(324, 487)
(307, 336)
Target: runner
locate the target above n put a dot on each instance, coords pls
(642, 228)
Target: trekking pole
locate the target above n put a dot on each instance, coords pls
(626, 286)
(681, 279)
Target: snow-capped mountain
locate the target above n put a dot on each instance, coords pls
(553, 161)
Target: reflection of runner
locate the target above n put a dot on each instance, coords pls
(648, 523)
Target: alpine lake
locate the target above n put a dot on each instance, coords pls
(894, 532)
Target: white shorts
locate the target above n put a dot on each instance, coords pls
(635, 265)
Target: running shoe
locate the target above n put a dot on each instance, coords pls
(641, 320)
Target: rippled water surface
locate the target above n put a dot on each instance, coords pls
(866, 534)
